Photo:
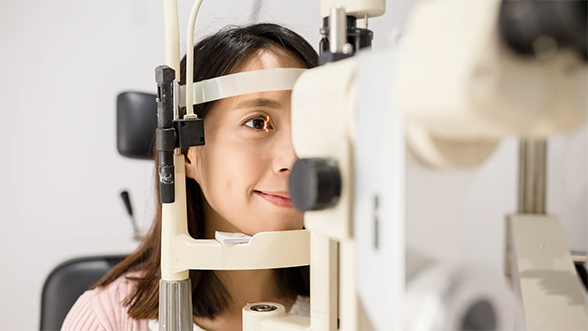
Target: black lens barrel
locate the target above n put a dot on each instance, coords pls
(523, 22)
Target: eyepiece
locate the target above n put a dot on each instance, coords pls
(524, 24)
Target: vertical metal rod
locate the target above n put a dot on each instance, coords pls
(532, 176)
(337, 29)
(175, 311)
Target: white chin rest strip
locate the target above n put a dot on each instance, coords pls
(242, 83)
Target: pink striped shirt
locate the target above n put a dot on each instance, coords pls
(101, 309)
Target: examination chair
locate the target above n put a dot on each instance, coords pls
(136, 121)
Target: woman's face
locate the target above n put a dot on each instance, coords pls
(244, 166)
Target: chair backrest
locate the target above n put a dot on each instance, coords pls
(67, 282)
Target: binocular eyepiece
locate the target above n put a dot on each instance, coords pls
(524, 25)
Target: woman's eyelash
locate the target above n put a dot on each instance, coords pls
(259, 123)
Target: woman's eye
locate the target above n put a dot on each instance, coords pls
(259, 123)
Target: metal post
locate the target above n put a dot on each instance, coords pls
(337, 29)
(532, 176)
(175, 305)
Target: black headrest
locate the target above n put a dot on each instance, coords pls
(136, 121)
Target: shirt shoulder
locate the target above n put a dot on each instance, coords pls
(102, 309)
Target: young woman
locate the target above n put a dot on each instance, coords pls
(237, 182)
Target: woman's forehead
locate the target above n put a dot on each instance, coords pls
(270, 58)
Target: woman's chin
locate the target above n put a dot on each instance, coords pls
(279, 226)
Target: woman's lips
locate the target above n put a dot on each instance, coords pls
(278, 200)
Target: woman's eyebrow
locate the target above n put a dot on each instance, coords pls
(259, 102)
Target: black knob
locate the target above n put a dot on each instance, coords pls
(521, 23)
(315, 184)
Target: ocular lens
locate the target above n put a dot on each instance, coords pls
(523, 24)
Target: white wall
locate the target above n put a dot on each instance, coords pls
(62, 63)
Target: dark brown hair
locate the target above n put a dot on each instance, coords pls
(214, 56)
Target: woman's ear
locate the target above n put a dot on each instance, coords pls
(191, 157)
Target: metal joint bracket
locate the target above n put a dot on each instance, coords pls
(189, 132)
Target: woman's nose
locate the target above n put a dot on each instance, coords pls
(285, 156)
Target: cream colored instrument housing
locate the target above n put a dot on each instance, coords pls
(335, 106)
(357, 8)
(473, 90)
(542, 273)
